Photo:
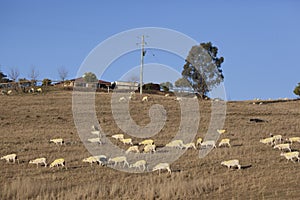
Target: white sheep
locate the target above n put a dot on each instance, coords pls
(283, 146)
(38, 161)
(95, 140)
(119, 159)
(57, 162)
(10, 157)
(293, 139)
(189, 146)
(132, 94)
(146, 142)
(9, 92)
(95, 133)
(57, 141)
(139, 164)
(91, 160)
(133, 149)
(277, 138)
(199, 141)
(166, 95)
(122, 99)
(175, 143)
(161, 166)
(118, 136)
(269, 140)
(127, 141)
(291, 155)
(149, 148)
(225, 142)
(178, 99)
(221, 131)
(39, 90)
(145, 98)
(231, 163)
(208, 143)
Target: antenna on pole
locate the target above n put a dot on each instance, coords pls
(142, 64)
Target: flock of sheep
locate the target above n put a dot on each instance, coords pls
(31, 90)
(284, 145)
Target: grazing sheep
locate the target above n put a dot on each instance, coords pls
(133, 149)
(293, 139)
(57, 141)
(175, 143)
(9, 92)
(231, 163)
(291, 155)
(127, 141)
(102, 159)
(118, 136)
(221, 131)
(189, 146)
(282, 147)
(166, 95)
(38, 161)
(39, 90)
(149, 148)
(10, 157)
(122, 99)
(225, 142)
(95, 133)
(178, 99)
(208, 143)
(277, 138)
(145, 98)
(199, 141)
(92, 159)
(146, 142)
(119, 159)
(95, 140)
(269, 140)
(161, 166)
(57, 162)
(139, 164)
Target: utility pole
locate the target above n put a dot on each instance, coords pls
(142, 64)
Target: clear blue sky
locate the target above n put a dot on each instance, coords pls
(259, 40)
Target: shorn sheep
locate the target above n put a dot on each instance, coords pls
(145, 98)
(225, 142)
(10, 157)
(291, 155)
(175, 143)
(95, 140)
(162, 166)
(139, 164)
(57, 141)
(199, 141)
(149, 148)
(134, 149)
(57, 162)
(189, 146)
(146, 142)
(118, 136)
(231, 163)
(283, 146)
(38, 161)
(119, 159)
(127, 141)
(208, 143)
(293, 139)
(269, 140)
(221, 131)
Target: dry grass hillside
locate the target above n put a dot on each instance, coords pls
(27, 122)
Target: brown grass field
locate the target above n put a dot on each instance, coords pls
(28, 121)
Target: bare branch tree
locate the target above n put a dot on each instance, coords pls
(13, 74)
(63, 73)
(33, 75)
